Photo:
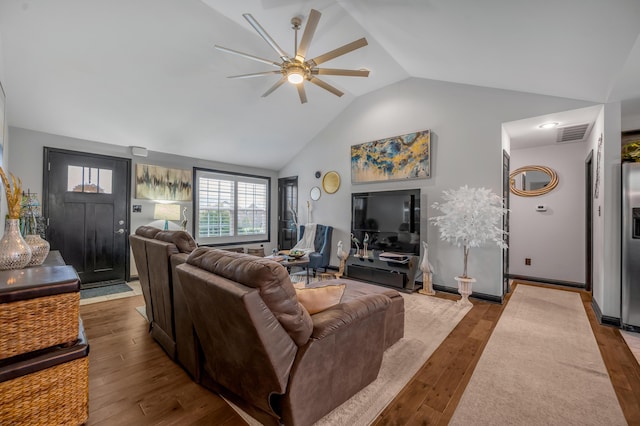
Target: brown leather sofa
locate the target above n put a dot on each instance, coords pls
(261, 349)
(155, 251)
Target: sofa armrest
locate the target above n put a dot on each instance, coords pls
(342, 356)
(315, 260)
(343, 314)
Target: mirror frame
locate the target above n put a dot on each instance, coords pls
(553, 182)
(315, 193)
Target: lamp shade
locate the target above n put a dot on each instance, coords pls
(167, 212)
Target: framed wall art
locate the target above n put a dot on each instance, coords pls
(162, 183)
(396, 158)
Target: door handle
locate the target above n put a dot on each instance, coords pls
(120, 231)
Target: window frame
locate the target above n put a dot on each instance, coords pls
(236, 239)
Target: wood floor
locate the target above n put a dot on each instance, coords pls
(132, 381)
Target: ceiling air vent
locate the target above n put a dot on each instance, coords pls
(573, 133)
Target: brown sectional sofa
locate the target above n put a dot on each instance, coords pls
(155, 251)
(233, 322)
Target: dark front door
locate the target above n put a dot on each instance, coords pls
(86, 203)
(287, 212)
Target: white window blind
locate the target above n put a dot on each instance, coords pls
(231, 208)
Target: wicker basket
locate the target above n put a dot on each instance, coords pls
(56, 395)
(33, 324)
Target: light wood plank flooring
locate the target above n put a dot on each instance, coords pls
(132, 381)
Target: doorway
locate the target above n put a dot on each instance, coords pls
(287, 212)
(86, 204)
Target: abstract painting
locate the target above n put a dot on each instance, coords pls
(396, 158)
(161, 183)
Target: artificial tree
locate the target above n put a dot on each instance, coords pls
(471, 217)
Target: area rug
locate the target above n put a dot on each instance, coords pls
(104, 291)
(142, 310)
(541, 366)
(428, 321)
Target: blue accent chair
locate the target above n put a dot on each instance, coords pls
(322, 243)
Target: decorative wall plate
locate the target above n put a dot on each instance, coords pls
(331, 182)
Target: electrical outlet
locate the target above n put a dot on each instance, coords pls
(527, 261)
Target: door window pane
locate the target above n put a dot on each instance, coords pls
(89, 179)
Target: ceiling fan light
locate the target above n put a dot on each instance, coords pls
(295, 77)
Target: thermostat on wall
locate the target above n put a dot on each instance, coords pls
(541, 208)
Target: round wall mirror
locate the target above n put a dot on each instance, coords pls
(315, 193)
(331, 182)
(531, 181)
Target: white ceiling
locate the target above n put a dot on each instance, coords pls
(144, 72)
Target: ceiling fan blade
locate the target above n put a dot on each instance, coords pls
(256, 26)
(246, 55)
(349, 47)
(255, 74)
(274, 87)
(302, 93)
(326, 86)
(309, 31)
(335, 71)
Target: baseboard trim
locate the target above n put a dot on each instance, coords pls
(604, 319)
(572, 284)
(482, 296)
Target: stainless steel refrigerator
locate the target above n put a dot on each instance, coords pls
(631, 246)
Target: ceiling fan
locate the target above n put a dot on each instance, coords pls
(297, 69)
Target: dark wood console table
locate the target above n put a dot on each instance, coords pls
(372, 269)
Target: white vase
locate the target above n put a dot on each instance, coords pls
(465, 285)
(15, 253)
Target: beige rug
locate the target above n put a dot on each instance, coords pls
(541, 366)
(428, 321)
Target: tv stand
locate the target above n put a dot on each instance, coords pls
(396, 274)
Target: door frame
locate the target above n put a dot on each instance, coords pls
(506, 193)
(45, 193)
(588, 184)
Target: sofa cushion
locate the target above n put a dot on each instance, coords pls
(147, 231)
(181, 239)
(318, 299)
(268, 277)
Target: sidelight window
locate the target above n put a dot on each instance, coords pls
(231, 207)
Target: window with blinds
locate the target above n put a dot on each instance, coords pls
(231, 207)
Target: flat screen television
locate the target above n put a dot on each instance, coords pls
(391, 218)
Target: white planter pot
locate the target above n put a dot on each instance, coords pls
(465, 288)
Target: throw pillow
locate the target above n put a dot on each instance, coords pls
(318, 299)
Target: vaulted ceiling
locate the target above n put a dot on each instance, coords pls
(145, 73)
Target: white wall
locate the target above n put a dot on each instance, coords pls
(631, 122)
(5, 148)
(607, 295)
(554, 240)
(26, 160)
(466, 124)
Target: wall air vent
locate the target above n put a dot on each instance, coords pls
(573, 133)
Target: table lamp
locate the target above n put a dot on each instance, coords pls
(166, 212)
